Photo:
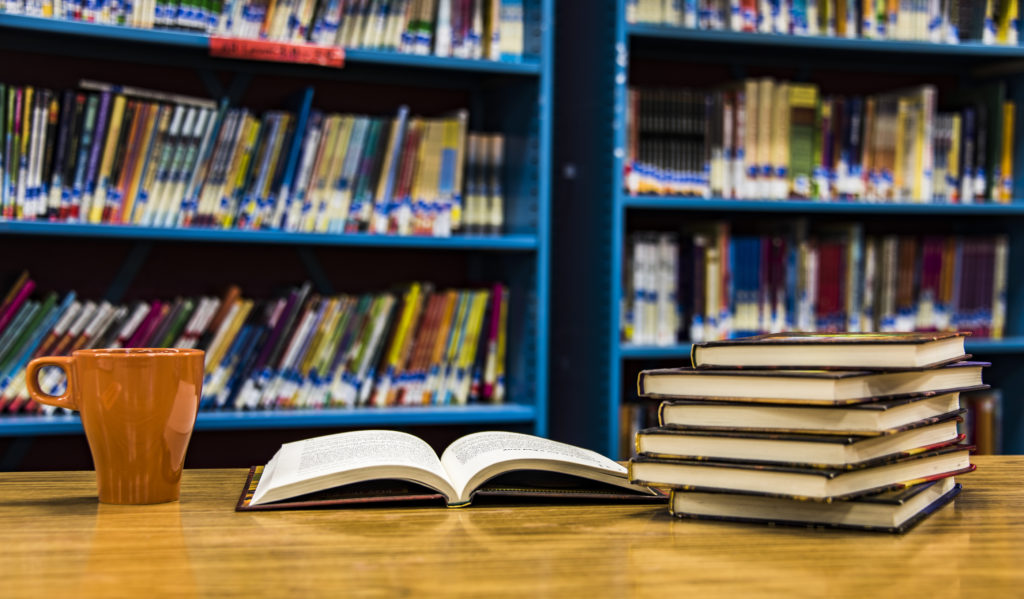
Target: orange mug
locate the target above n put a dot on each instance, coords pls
(138, 407)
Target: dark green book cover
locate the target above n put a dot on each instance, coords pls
(803, 110)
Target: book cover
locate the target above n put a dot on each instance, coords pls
(894, 499)
(776, 418)
(836, 351)
(799, 338)
(886, 384)
(803, 472)
(814, 450)
(803, 105)
(799, 435)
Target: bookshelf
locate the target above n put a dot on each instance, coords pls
(512, 97)
(593, 371)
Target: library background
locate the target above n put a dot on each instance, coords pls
(492, 214)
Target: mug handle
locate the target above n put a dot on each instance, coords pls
(32, 379)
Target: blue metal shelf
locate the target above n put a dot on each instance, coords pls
(818, 43)
(1008, 345)
(656, 352)
(520, 243)
(197, 41)
(525, 66)
(652, 202)
(20, 426)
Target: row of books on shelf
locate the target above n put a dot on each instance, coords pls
(111, 154)
(478, 29)
(940, 21)
(710, 284)
(982, 423)
(413, 346)
(770, 139)
(828, 435)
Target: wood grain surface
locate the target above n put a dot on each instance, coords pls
(58, 541)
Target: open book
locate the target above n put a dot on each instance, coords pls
(373, 465)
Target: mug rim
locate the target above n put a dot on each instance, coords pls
(137, 352)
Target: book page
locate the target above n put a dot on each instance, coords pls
(474, 458)
(323, 462)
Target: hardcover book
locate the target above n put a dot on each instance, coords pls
(799, 449)
(849, 351)
(374, 467)
(802, 483)
(861, 419)
(891, 511)
(820, 387)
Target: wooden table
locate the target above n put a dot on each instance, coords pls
(57, 541)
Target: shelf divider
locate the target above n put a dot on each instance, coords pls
(682, 203)
(515, 242)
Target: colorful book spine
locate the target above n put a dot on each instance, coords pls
(831, 280)
(473, 29)
(115, 154)
(933, 21)
(779, 140)
(300, 351)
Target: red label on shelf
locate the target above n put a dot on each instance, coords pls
(249, 49)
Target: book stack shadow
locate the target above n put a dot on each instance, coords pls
(822, 430)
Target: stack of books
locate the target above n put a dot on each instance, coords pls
(848, 431)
